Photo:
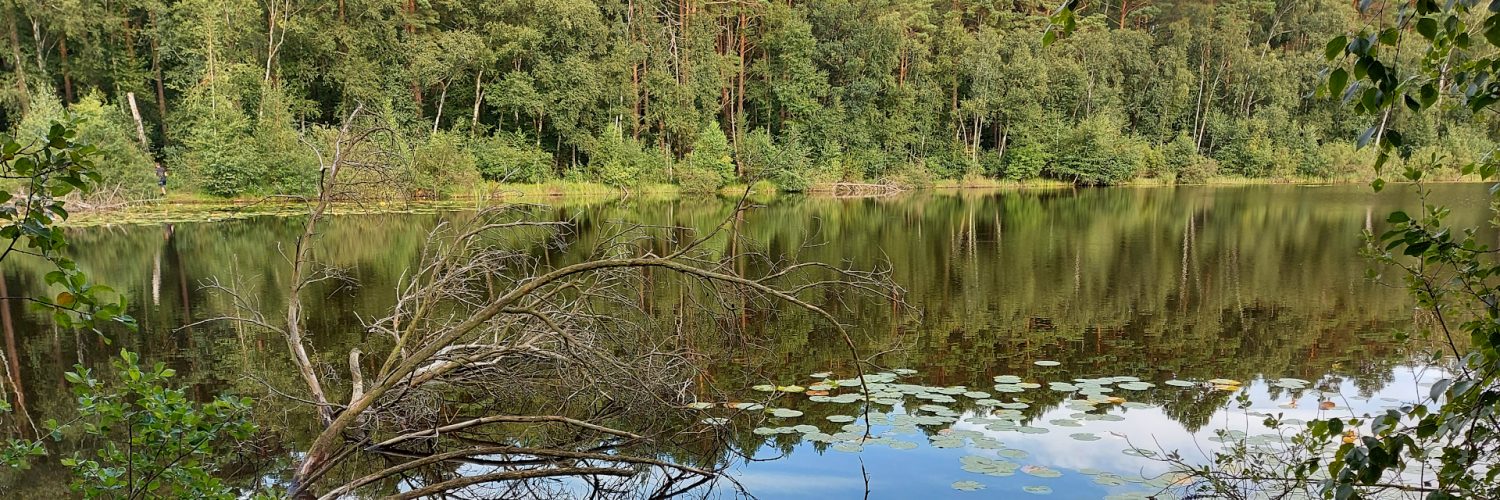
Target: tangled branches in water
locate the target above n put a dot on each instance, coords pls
(498, 368)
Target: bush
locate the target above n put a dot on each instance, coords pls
(616, 160)
(214, 149)
(759, 156)
(125, 164)
(792, 169)
(991, 164)
(709, 165)
(950, 163)
(1198, 172)
(443, 163)
(1024, 162)
(1096, 153)
(289, 167)
(507, 157)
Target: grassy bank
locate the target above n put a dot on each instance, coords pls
(197, 207)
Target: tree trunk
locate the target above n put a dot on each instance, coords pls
(478, 98)
(140, 129)
(442, 98)
(62, 52)
(11, 18)
(161, 88)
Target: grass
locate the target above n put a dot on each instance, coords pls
(197, 207)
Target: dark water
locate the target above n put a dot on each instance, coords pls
(1245, 283)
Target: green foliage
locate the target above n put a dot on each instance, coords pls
(289, 166)
(46, 170)
(710, 165)
(1096, 153)
(1180, 160)
(617, 160)
(1443, 444)
(215, 150)
(154, 441)
(1025, 162)
(510, 158)
(443, 163)
(96, 123)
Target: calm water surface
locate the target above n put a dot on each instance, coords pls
(1245, 283)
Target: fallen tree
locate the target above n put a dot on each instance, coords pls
(494, 357)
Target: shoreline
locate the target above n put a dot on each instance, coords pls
(199, 208)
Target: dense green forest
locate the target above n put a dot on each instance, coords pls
(702, 93)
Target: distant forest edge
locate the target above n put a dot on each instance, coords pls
(703, 94)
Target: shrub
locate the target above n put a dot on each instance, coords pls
(793, 167)
(126, 165)
(759, 156)
(709, 165)
(215, 149)
(616, 160)
(1096, 152)
(507, 157)
(950, 163)
(443, 163)
(1024, 162)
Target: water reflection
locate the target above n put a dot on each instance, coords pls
(1158, 283)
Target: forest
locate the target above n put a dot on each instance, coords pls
(703, 94)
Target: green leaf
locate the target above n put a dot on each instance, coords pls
(1364, 138)
(1336, 47)
(1337, 80)
(1428, 95)
(1377, 184)
(1427, 27)
(1398, 217)
(1389, 36)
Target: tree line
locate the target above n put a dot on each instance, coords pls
(703, 93)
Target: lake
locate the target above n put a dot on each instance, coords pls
(1026, 312)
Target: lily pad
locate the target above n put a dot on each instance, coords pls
(1181, 383)
(840, 419)
(1046, 363)
(903, 445)
(715, 421)
(977, 394)
(747, 406)
(821, 375)
(1037, 490)
(1139, 452)
(791, 388)
(1085, 436)
(763, 387)
(700, 405)
(1013, 453)
(968, 485)
(785, 413)
(1041, 471)
(848, 447)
